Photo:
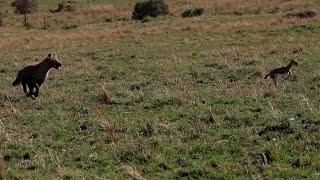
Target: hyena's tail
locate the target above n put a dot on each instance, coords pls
(267, 76)
(17, 81)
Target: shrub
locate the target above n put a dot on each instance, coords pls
(28, 25)
(193, 12)
(59, 9)
(303, 14)
(70, 7)
(152, 8)
(64, 6)
(187, 13)
(108, 19)
(70, 26)
(275, 10)
(1, 20)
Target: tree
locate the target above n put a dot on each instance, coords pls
(25, 7)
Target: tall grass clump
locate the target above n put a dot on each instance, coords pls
(193, 12)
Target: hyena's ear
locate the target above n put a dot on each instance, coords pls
(49, 55)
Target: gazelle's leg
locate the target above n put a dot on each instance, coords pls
(288, 75)
(275, 82)
(286, 78)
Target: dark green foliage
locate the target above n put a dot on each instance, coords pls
(158, 103)
(193, 12)
(59, 9)
(70, 7)
(283, 127)
(152, 8)
(1, 20)
(275, 10)
(64, 6)
(25, 6)
(70, 26)
(303, 14)
(28, 25)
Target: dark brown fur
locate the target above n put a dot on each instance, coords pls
(33, 76)
(283, 71)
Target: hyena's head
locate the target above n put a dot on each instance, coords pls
(294, 63)
(53, 61)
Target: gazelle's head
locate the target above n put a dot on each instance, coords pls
(293, 63)
(53, 61)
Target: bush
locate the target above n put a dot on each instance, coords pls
(70, 26)
(108, 19)
(70, 7)
(152, 8)
(1, 20)
(303, 14)
(59, 9)
(275, 10)
(64, 6)
(28, 25)
(193, 12)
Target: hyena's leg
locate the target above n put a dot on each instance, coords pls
(31, 93)
(24, 84)
(36, 93)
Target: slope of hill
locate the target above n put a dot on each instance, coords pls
(170, 98)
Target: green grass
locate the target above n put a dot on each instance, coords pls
(188, 97)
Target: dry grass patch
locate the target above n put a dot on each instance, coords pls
(112, 131)
(130, 172)
(97, 10)
(107, 97)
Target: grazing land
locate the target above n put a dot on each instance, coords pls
(169, 97)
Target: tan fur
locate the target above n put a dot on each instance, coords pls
(284, 72)
(34, 75)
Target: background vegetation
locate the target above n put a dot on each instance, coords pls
(171, 98)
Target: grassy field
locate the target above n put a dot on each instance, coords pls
(171, 98)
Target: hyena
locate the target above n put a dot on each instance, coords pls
(284, 72)
(34, 75)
